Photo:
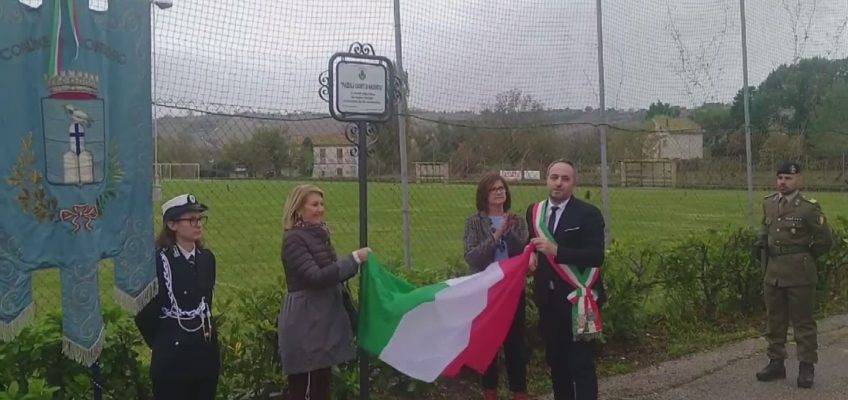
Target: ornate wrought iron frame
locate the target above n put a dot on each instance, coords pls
(359, 53)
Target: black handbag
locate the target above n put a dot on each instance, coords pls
(352, 313)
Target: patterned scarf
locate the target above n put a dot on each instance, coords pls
(321, 227)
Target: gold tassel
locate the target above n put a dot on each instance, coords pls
(82, 355)
(10, 330)
(134, 304)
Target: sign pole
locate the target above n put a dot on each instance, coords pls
(362, 170)
(361, 88)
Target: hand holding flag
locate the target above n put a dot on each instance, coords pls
(545, 246)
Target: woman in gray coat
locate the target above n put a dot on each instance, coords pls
(314, 327)
(494, 234)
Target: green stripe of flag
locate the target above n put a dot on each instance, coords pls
(384, 300)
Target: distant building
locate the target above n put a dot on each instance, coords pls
(333, 158)
(239, 173)
(676, 139)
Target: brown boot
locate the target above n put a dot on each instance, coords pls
(519, 396)
(490, 394)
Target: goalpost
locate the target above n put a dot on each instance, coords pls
(171, 171)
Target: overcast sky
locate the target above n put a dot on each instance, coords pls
(267, 55)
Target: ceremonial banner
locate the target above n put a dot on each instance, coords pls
(76, 160)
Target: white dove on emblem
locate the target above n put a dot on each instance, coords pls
(78, 116)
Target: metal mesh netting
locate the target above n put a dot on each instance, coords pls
(493, 86)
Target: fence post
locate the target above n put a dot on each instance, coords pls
(747, 115)
(404, 170)
(605, 202)
(157, 183)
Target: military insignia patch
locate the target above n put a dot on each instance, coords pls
(822, 220)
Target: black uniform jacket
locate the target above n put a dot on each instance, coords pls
(177, 353)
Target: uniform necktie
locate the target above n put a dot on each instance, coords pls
(781, 203)
(191, 260)
(552, 219)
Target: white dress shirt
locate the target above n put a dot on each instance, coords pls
(186, 253)
(551, 205)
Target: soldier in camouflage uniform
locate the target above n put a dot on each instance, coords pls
(794, 233)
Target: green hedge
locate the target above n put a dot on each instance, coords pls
(703, 281)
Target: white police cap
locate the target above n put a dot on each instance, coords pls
(177, 206)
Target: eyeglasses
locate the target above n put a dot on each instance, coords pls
(196, 221)
(499, 189)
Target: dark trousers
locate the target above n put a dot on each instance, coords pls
(572, 364)
(312, 385)
(167, 389)
(515, 355)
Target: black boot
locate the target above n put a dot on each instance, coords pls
(806, 373)
(774, 370)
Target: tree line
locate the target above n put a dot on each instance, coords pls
(798, 110)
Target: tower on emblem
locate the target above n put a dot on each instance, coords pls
(78, 162)
(74, 113)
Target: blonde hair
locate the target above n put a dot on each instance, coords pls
(295, 201)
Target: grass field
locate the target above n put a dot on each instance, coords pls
(244, 228)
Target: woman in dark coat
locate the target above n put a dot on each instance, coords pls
(494, 234)
(315, 330)
(177, 324)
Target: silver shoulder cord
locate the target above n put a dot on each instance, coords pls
(202, 311)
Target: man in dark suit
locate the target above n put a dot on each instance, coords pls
(569, 232)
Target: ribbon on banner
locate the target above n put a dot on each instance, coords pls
(56, 36)
(85, 212)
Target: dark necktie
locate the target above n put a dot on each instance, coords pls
(552, 219)
(191, 260)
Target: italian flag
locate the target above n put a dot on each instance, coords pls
(437, 329)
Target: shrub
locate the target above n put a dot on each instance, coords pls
(710, 274)
(695, 282)
(37, 352)
(250, 364)
(833, 274)
(629, 279)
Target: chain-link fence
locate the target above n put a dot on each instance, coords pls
(495, 86)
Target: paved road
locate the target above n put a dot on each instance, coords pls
(727, 373)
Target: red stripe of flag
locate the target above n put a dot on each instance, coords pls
(489, 329)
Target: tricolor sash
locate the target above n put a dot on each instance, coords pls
(585, 313)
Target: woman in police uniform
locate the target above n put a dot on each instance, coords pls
(177, 324)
